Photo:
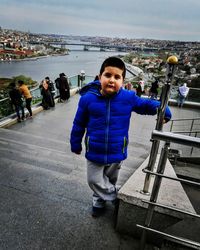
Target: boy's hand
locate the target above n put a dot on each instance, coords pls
(165, 120)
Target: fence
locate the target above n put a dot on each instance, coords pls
(193, 95)
(187, 126)
(6, 108)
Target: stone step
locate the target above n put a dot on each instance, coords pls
(45, 187)
(30, 139)
(50, 152)
(38, 154)
(43, 166)
(38, 157)
(44, 182)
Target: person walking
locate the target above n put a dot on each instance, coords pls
(104, 113)
(153, 92)
(182, 94)
(17, 102)
(27, 95)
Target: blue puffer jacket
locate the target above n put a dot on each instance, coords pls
(106, 122)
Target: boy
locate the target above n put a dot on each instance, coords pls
(104, 112)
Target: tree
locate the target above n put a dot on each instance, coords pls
(27, 80)
(187, 69)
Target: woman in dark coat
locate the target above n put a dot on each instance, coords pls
(64, 88)
(47, 100)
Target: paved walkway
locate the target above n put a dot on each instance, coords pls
(45, 201)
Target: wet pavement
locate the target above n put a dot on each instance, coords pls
(45, 202)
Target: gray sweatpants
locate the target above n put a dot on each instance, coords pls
(102, 179)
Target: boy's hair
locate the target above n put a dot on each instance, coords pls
(114, 62)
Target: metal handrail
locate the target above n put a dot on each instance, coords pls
(176, 138)
(159, 174)
(172, 208)
(171, 67)
(184, 119)
(171, 178)
(157, 136)
(182, 241)
(188, 132)
(191, 131)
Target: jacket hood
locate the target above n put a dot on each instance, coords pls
(92, 87)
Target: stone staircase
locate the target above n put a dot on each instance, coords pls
(40, 165)
(45, 201)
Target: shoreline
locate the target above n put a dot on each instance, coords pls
(31, 58)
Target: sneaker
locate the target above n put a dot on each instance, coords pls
(19, 120)
(116, 203)
(97, 211)
(23, 119)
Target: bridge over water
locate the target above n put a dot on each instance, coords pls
(101, 46)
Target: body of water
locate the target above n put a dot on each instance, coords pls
(52, 66)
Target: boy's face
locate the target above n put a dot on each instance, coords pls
(111, 80)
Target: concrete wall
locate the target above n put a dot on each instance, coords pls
(132, 209)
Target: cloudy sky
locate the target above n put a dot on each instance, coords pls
(158, 19)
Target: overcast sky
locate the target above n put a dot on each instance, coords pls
(157, 19)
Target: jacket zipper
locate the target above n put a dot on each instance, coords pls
(107, 129)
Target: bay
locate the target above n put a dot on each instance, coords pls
(52, 66)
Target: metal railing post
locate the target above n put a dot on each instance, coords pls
(172, 123)
(193, 147)
(79, 81)
(155, 191)
(172, 61)
(192, 124)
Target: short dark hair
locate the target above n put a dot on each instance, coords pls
(114, 62)
(20, 82)
(62, 74)
(12, 85)
(47, 78)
